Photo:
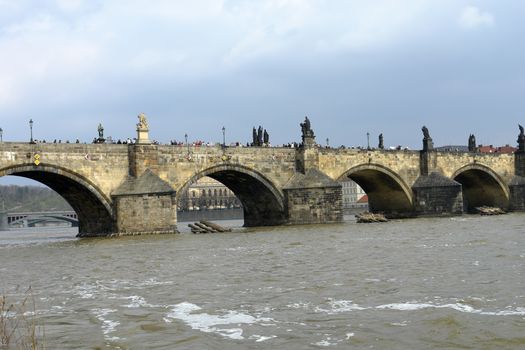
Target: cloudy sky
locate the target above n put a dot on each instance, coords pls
(378, 66)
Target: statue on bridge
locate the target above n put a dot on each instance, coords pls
(101, 138)
(266, 137)
(427, 140)
(381, 144)
(308, 136)
(100, 130)
(143, 122)
(521, 140)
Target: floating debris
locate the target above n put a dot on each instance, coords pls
(207, 227)
(368, 217)
(484, 210)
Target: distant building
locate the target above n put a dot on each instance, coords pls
(208, 194)
(353, 195)
(502, 149)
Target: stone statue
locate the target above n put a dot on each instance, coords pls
(306, 129)
(427, 140)
(426, 134)
(521, 140)
(472, 143)
(100, 131)
(266, 137)
(254, 137)
(381, 145)
(143, 123)
(259, 136)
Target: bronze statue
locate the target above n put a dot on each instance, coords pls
(521, 140)
(266, 137)
(426, 134)
(306, 128)
(381, 145)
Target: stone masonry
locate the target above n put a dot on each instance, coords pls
(134, 189)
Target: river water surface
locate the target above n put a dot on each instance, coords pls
(446, 283)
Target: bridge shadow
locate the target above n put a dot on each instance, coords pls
(387, 193)
(481, 187)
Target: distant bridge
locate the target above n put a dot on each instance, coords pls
(134, 188)
(31, 219)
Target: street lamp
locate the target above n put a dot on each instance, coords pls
(368, 140)
(187, 144)
(223, 136)
(31, 129)
(327, 142)
(1, 135)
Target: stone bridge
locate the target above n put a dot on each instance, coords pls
(134, 188)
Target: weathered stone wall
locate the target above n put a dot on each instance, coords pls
(260, 176)
(178, 166)
(449, 163)
(314, 205)
(336, 163)
(148, 213)
(104, 166)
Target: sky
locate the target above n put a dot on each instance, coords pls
(193, 67)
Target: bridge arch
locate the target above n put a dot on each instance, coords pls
(481, 186)
(93, 207)
(262, 202)
(387, 191)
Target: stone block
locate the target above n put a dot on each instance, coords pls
(436, 195)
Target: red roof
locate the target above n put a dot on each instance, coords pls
(363, 199)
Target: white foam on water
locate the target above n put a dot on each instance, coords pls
(108, 326)
(324, 343)
(420, 306)
(261, 338)
(299, 305)
(136, 301)
(349, 335)
(338, 306)
(520, 311)
(207, 323)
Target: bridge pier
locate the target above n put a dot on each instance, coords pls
(145, 205)
(3, 221)
(517, 184)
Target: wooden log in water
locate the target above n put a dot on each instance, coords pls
(484, 210)
(367, 217)
(205, 228)
(195, 229)
(215, 226)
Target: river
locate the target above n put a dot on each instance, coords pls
(447, 283)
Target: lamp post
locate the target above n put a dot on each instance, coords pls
(1, 135)
(367, 140)
(187, 144)
(327, 142)
(31, 130)
(223, 136)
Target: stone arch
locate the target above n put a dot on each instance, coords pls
(481, 186)
(94, 209)
(387, 191)
(262, 201)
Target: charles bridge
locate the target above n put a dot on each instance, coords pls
(134, 188)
